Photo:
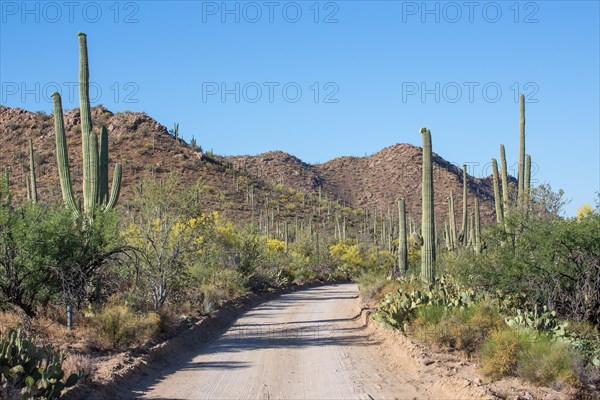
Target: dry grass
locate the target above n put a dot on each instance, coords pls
(118, 327)
(373, 287)
(537, 358)
(459, 329)
(79, 364)
(546, 361)
(10, 320)
(500, 353)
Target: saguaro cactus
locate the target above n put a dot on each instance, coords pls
(447, 237)
(451, 222)
(521, 183)
(527, 181)
(477, 245)
(32, 185)
(505, 195)
(497, 199)
(427, 223)
(95, 166)
(176, 131)
(402, 244)
(465, 228)
(6, 186)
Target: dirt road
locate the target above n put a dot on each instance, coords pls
(308, 344)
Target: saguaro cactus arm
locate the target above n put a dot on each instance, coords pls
(116, 188)
(103, 171)
(62, 156)
(91, 196)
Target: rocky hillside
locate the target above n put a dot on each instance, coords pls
(240, 186)
(373, 182)
(142, 145)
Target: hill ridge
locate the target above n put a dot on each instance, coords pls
(145, 147)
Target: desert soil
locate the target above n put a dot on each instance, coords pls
(310, 344)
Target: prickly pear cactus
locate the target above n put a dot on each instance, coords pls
(35, 371)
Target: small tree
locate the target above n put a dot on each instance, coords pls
(164, 231)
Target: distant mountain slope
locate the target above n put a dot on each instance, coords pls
(146, 148)
(373, 182)
(378, 180)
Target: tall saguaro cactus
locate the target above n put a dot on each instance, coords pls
(527, 181)
(32, 186)
(477, 245)
(95, 166)
(497, 198)
(402, 244)
(451, 222)
(504, 178)
(427, 223)
(465, 227)
(521, 183)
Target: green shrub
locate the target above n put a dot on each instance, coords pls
(119, 327)
(431, 314)
(500, 352)
(538, 358)
(458, 328)
(546, 361)
(553, 262)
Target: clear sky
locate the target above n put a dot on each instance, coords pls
(325, 79)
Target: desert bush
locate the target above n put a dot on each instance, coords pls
(462, 329)
(51, 256)
(546, 361)
(351, 261)
(371, 284)
(500, 352)
(118, 327)
(539, 358)
(554, 262)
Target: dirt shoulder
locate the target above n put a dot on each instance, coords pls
(451, 375)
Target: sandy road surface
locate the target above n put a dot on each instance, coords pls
(303, 345)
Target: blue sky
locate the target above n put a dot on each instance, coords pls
(325, 79)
